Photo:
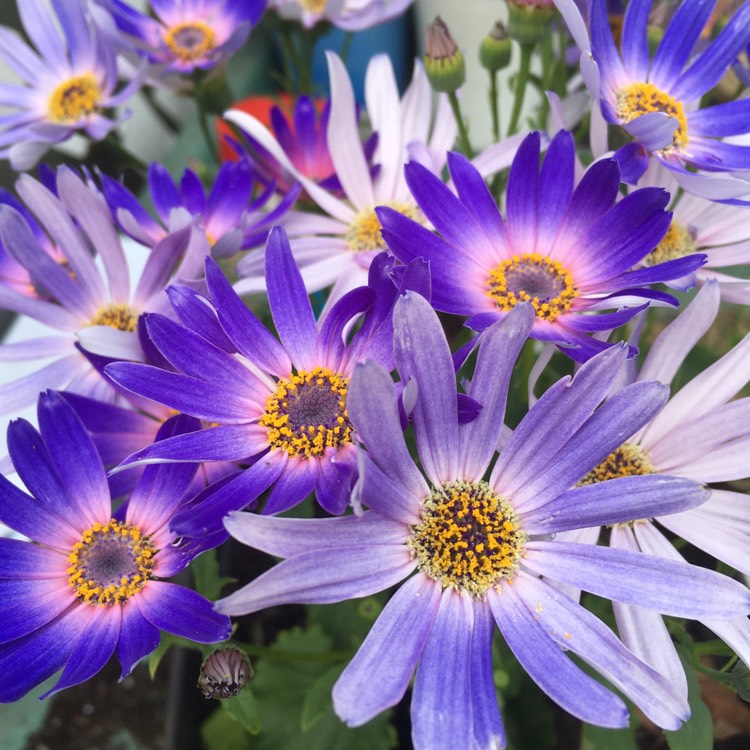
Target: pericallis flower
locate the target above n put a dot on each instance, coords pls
(88, 584)
(481, 546)
(350, 15)
(88, 310)
(229, 217)
(701, 435)
(569, 250)
(338, 247)
(280, 407)
(718, 231)
(189, 35)
(656, 99)
(68, 82)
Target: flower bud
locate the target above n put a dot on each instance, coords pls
(224, 673)
(494, 52)
(443, 61)
(529, 20)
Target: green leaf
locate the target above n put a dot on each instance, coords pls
(599, 738)
(318, 700)
(741, 680)
(243, 708)
(208, 582)
(221, 732)
(697, 733)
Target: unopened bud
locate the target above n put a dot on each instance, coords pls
(529, 20)
(224, 673)
(495, 50)
(443, 61)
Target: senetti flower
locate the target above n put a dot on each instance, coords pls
(567, 250)
(189, 35)
(88, 584)
(338, 247)
(701, 435)
(350, 15)
(88, 308)
(456, 575)
(230, 218)
(656, 98)
(68, 82)
(281, 407)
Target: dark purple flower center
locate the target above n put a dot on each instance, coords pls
(110, 563)
(629, 460)
(190, 41)
(307, 413)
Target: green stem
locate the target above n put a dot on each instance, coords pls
(166, 119)
(547, 70)
(346, 46)
(463, 134)
(127, 157)
(203, 119)
(521, 80)
(494, 106)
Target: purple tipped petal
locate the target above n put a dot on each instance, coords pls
(377, 677)
(26, 606)
(138, 637)
(294, 484)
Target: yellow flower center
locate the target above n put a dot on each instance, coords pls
(677, 243)
(313, 6)
(629, 460)
(74, 99)
(111, 563)
(469, 537)
(307, 413)
(531, 277)
(638, 99)
(190, 41)
(364, 233)
(121, 317)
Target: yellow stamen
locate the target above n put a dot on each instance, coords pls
(121, 317)
(638, 99)
(629, 460)
(74, 99)
(468, 538)
(534, 278)
(307, 413)
(677, 243)
(190, 41)
(364, 233)
(313, 6)
(111, 563)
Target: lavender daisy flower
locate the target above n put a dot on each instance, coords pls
(702, 435)
(569, 251)
(229, 217)
(280, 406)
(350, 15)
(655, 99)
(98, 313)
(88, 586)
(338, 247)
(189, 35)
(68, 82)
(496, 566)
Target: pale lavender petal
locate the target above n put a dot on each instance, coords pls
(378, 675)
(312, 578)
(378, 491)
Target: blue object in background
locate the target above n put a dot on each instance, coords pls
(396, 38)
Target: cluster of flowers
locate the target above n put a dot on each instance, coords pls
(174, 417)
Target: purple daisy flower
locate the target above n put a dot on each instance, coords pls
(68, 81)
(189, 35)
(88, 586)
(567, 250)
(231, 219)
(497, 566)
(656, 99)
(280, 406)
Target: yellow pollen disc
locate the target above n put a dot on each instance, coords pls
(629, 460)
(111, 563)
(307, 413)
(313, 6)
(364, 232)
(677, 243)
(190, 41)
(638, 99)
(534, 278)
(74, 99)
(469, 537)
(121, 317)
